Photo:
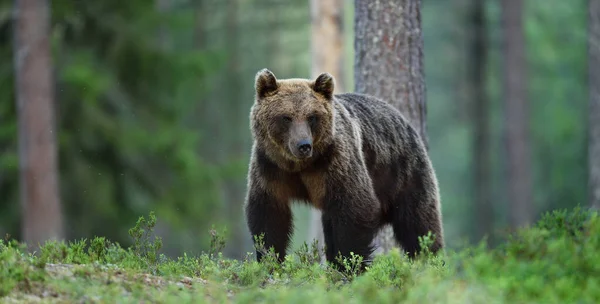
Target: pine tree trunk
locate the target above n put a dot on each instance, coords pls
(199, 23)
(389, 64)
(234, 186)
(516, 116)
(480, 118)
(327, 56)
(38, 160)
(164, 37)
(594, 114)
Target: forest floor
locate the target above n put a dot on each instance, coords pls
(555, 261)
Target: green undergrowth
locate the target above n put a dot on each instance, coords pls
(555, 261)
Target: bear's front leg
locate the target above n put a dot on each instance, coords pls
(350, 222)
(265, 215)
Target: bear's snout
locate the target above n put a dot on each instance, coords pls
(300, 142)
(304, 148)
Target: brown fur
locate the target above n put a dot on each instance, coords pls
(367, 167)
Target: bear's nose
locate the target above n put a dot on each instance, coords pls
(304, 147)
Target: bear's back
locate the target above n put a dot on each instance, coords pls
(378, 119)
(365, 107)
(387, 137)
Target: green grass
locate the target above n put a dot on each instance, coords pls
(555, 261)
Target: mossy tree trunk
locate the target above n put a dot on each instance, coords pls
(389, 64)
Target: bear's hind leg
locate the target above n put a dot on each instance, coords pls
(414, 215)
(409, 225)
(416, 212)
(416, 209)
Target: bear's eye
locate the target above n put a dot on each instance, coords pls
(313, 119)
(285, 119)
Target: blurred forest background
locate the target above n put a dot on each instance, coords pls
(152, 101)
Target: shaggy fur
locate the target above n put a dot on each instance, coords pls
(367, 167)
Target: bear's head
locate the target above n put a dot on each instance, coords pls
(293, 118)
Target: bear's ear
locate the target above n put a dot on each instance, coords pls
(324, 84)
(265, 83)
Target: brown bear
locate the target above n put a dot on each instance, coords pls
(353, 156)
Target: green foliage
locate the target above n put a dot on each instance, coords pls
(123, 102)
(391, 269)
(217, 242)
(145, 249)
(565, 221)
(148, 120)
(556, 97)
(18, 269)
(555, 261)
(351, 266)
(97, 250)
(309, 255)
(269, 257)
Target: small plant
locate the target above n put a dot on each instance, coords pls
(217, 243)
(310, 255)
(77, 253)
(98, 248)
(425, 242)
(563, 221)
(269, 258)
(351, 266)
(392, 269)
(53, 251)
(143, 247)
(17, 268)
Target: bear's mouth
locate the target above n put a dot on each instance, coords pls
(301, 156)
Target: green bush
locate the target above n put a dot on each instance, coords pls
(556, 260)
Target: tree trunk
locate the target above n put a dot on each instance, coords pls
(389, 64)
(164, 38)
(38, 161)
(327, 40)
(199, 23)
(234, 185)
(327, 56)
(480, 120)
(516, 116)
(594, 115)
